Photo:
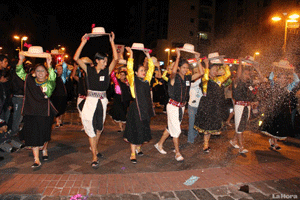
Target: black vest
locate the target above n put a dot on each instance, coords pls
(180, 90)
(36, 102)
(143, 99)
(97, 81)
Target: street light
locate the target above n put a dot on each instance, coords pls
(255, 54)
(24, 38)
(291, 18)
(169, 52)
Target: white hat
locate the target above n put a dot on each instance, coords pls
(283, 64)
(122, 62)
(54, 51)
(139, 46)
(36, 51)
(214, 58)
(155, 62)
(188, 48)
(97, 32)
(249, 60)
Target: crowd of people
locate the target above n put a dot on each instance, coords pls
(212, 91)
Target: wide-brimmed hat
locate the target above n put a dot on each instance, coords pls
(97, 32)
(283, 64)
(249, 60)
(36, 51)
(188, 48)
(214, 58)
(155, 62)
(139, 46)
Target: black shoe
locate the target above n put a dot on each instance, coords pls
(99, 155)
(95, 164)
(134, 161)
(36, 165)
(277, 148)
(139, 153)
(45, 158)
(206, 150)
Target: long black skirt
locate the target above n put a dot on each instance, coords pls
(60, 103)
(136, 132)
(119, 109)
(37, 130)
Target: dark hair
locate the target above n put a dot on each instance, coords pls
(2, 57)
(137, 67)
(41, 65)
(182, 61)
(99, 56)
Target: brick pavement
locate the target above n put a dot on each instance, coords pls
(220, 173)
(217, 182)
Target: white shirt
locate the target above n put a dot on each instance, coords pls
(195, 93)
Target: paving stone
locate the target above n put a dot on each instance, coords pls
(263, 187)
(203, 194)
(33, 197)
(150, 196)
(225, 198)
(166, 195)
(130, 197)
(259, 196)
(185, 195)
(218, 191)
(12, 197)
(51, 198)
(110, 197)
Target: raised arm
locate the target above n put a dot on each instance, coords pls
(81, 64)
(151, 67)
(200, 68)
(19, 68)
(130, 71)
(175, 67)
(73, 74)
(114, 62)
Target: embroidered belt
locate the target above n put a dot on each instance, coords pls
(177, 104)
(243, 103)
(96, 94)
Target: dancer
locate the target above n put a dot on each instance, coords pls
(244, 97)
(209, 118)
(178, 89)
(60, 95)
(38, 110)
(137, 130)
(94, 108)
(277, 121)
(122, 98)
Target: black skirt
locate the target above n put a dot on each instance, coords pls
(119, 109)
(136, 132)
(36, 130)
(60, 103)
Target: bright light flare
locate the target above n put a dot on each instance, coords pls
(275, 19)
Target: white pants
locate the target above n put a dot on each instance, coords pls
(173, 120)
(238, 112)
(87, 114)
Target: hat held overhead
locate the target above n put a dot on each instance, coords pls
(36, 51)
(188, 48)
(97, 32)
(140, 47)
(214, 58)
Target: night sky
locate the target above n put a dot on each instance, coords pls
(73, 20)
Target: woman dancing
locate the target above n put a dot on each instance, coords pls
(137, 130)
(94, 108)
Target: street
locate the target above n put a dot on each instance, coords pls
(221, 172)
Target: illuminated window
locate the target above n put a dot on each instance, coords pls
(203, 36)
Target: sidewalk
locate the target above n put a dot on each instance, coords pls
(265, 180)
(269, 174)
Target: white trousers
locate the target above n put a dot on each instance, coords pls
(88, 111)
